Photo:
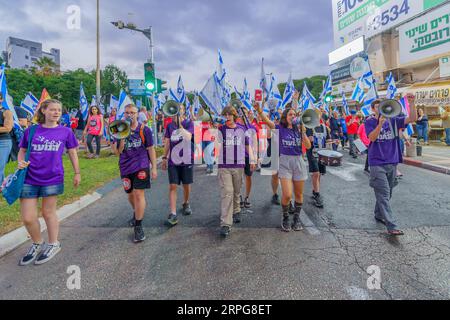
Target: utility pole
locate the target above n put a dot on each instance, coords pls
(98, 95)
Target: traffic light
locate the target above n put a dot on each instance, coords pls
(150, 80)
(159, 85)
(329, 98)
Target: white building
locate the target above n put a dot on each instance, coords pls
(22, 54)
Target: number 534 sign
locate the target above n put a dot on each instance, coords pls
(355, 18)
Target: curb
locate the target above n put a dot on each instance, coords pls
(16, 238)
(426, 166)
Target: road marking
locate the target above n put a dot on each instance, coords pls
(309, 225)
(346, 173)
(356, 293)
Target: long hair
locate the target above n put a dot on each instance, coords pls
(44, 105)
(283, 120)
(99, 112)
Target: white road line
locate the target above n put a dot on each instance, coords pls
(356, 293)
(309, 225)
(346, 172)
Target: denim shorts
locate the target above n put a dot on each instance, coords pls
(32, 192)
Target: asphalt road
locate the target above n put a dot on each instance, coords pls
(328, 260)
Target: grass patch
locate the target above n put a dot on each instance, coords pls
(94, 174)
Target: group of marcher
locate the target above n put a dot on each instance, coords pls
(239, 147)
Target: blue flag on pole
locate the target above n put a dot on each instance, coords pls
(83, 103)
(30, 103)
(392, 88)
(288, 92)
(180, 95)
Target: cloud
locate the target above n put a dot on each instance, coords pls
(293, 36)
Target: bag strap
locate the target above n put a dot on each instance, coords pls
(141, 134)
(30, 138)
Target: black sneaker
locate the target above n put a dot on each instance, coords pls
(225, 231)
(139, 234)
(276, 200)
(237, 217)
(296, 224)
(50, 251)
(241, 203)
(285, 225)
(318, 200)
(31, 255)
(247, 204)
(172, 220)
(187, 211)
(291, 208)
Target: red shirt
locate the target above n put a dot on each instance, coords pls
(167, 120)
(352, 128)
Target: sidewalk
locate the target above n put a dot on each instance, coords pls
(435, 157)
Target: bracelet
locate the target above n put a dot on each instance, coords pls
(77, 173)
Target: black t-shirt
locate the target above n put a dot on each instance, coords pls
(81, 122)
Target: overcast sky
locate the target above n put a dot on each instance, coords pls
(293, 36)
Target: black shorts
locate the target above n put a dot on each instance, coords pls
(248, 172)
(315, 165)
(181, 175)
(139, 180)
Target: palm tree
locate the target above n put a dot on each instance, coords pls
(46, 66)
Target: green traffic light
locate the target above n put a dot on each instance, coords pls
(150, 86)
(328, 99)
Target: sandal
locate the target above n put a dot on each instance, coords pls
(396, 233)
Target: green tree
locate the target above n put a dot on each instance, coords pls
(314, 83)
(113, 79)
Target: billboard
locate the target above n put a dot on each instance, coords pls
(356, 18)
(425, 36)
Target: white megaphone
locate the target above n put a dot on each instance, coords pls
(390, 108)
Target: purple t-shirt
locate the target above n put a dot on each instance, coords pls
(47, 147)
(135, 156)
(290, 141)
(233, 139)
(386, 149)
(176, 139)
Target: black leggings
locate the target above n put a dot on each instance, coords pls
(97, 142)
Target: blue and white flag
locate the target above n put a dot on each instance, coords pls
(345, 104)
(372, 93)
(288, 92)
(84, 107)
(180, 95)
(307, 98)
(113, 103)
(358, 92)
(7, 103)
(124, 100)
(245, 96)
(366, 111)
(224, 87)
(197, 106)
(327, 89)
(94, 101)
(210, 94)
(160, 99)
(30, 103)
(274, 93)
(188, 108)
(392, 88)
(263, 81)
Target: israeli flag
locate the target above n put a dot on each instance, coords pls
(7, 103)
(124, 100)
(197, 106)
(371, 94)
(113, 103)
(288, 92)
(30, 103)
(274, 92)
(83, 103)
(160, 99)
(188, 108)
(246, 97)
(327, 89)
(392, 88)
(345, 104)
(366, 111)
(94, 101)
(358, 92)
(210, 94)
(307, 98)
(180, 95)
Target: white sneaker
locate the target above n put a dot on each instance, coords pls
(50, 251)
(31, 255)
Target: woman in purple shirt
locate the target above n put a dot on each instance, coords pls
(292, 169)
(45, 178)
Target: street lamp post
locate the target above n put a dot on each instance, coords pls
(98, 95)
(148, 33)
